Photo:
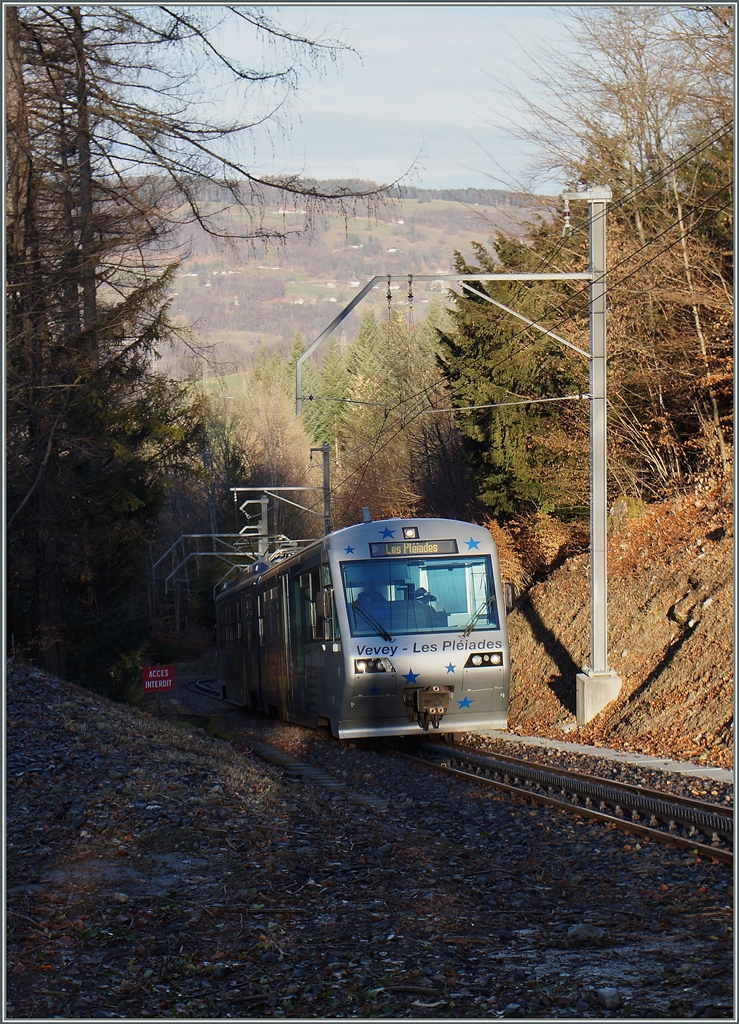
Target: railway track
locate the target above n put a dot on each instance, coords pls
(677, 821)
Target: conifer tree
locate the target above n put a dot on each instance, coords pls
(296, 350)
(367, 362)
(641, 100)
(393, 450)
(525, 457)
(108, 149)
(326, 415)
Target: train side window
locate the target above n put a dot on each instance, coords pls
(299, 618)
(327, 625)
(328, 628)
(230, 624)
(272, 612)
(304, 614)
(315, 612)
(334, 619)
(305, 609)
(248, 617)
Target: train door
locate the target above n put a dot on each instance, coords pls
(333, 661)
(251, 650)
(273, 660)
(230, 650)
(306, 644)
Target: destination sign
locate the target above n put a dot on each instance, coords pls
(398, 548)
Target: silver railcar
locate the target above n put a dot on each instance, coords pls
(376, 630)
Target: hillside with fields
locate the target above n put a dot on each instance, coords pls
(240, 303)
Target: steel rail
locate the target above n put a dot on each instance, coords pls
(621, 795)
(687, 801)
(578, 782)
(724, 856)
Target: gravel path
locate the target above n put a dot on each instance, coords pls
(155, 871)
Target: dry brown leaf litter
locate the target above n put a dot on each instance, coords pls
(670, 606)
(157, 873)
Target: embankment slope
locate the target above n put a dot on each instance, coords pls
(671, 637)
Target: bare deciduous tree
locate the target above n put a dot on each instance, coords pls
(641, 99)
(110, 146)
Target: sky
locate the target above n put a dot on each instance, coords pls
(424, 94)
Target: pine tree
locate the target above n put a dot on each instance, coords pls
(366, 362)
(325, 415)
(525, 457)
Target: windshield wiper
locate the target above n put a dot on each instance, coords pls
(473, 621)
(372, 621)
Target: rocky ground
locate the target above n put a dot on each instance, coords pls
(671, 635)
(156, 871)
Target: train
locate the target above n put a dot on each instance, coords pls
(377, 629)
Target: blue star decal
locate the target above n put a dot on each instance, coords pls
(450, 668)
(412, 676)
(348, 551)
(375, 689)
(472, 544)
(387, 532)
(465, 702)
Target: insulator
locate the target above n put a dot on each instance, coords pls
(566, 227)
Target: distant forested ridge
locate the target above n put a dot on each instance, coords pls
(474, 196)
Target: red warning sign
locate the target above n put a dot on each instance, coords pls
(158, 678)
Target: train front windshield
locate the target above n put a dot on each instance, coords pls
(399, 596)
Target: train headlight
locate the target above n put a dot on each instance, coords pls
(410, 533)
(372, 665)
(495, 658)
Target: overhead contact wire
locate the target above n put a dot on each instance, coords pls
(545, 259)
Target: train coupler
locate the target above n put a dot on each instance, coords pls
(427, 704)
